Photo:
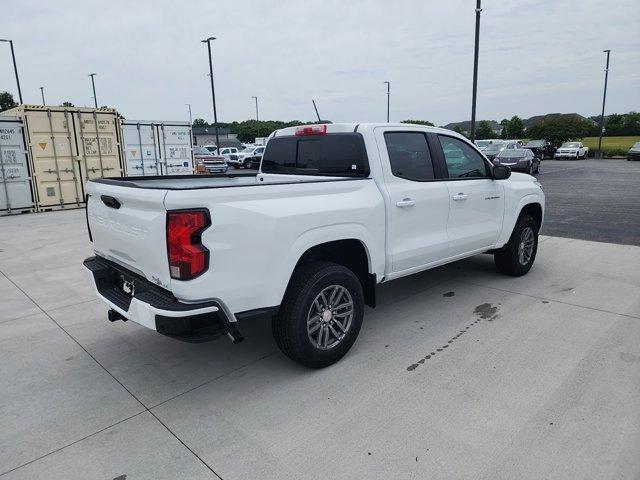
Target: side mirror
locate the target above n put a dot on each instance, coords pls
(501, 172)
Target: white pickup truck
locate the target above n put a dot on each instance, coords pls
(571, 150)
(334, 211)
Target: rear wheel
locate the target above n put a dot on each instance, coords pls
(247, 164)
(321, 314)
(518, 255)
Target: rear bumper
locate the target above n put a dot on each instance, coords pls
(216, 168)
(156, 308)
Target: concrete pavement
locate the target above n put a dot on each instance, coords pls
(459, 373)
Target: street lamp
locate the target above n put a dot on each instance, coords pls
(475, 73)
(189, 105)
(213, 91)
(604, 98)
(15, 67)
(42, 93)
(93, 85)
(388, 97)
(256, 99)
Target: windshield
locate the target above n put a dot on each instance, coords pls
(535, 143)
(636, 145)
(482, 143)
(495, 147)
(248, 150)
(513, 153)
(201, 151)
(571, 144)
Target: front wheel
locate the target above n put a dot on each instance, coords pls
(518, 255)
(321, 314)
(247, 164)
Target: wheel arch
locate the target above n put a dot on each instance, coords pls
(351, 253)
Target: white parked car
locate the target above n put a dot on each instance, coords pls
(337, 209)
(571, 150)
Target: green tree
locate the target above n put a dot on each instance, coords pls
(458, 129)
(505, 126)
(6, 101)
(67, 104)
(515, 127)
(484, 130)
(614, 125)
(199, 122)
(419, 122)
(560, 129)
(632, 123)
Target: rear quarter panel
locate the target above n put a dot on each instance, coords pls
(259, 233)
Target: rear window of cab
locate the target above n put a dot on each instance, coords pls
(335, 154)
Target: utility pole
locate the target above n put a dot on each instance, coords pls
(93, 86)
(256, 99)
(15, 67)
(604, 99)
(475, 72)
(213, 91)
(189, 105)
(388, 97)
(42, 93)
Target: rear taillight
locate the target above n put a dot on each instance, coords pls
(188, 258)
(311, 130)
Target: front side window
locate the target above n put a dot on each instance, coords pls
(409, 155)
(462, 160)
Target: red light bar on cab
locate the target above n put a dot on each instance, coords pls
(311, 130)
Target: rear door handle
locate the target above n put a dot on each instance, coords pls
(406, 202)
(459, 197)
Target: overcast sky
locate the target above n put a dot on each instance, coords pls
(535, 57)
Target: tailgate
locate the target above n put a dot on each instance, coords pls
(128, 227)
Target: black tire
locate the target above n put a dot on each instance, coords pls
(290, 325)
(508, 259)
(247, 164)
(235, 167)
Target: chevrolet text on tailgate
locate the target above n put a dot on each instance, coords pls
(334, 211)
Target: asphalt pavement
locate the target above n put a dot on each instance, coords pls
(595, 200)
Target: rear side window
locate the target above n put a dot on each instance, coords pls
(339, 154)
(409, 155)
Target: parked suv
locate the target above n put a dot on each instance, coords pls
(634, 152)
(571, 151)
(250, 157)
(541, 148)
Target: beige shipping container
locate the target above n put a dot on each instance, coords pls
(67, 147)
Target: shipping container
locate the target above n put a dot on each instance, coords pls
(16, 193)
(67, 147)
(156, 148)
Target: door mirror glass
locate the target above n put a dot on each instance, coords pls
(501, 172)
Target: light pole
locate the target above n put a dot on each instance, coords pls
(42, 93)
(388, 97)
(256, 99)
(189, 105)
(475, 72)
(93, 85)
(213, 91)
(15, 67)
(604, 98)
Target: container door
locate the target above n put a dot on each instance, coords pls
(15, 182)
(175, 143)
(51, 143)
(141, 152)
(98, 146)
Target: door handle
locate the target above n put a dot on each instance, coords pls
(459, 197)
(406, 202)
